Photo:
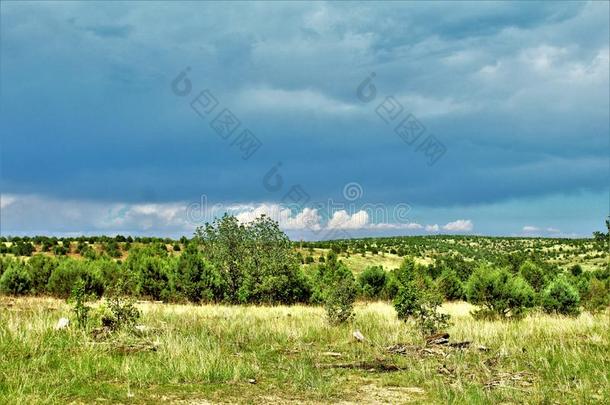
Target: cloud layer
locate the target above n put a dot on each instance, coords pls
(517, 93)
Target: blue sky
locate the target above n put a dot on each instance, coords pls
(96, 140)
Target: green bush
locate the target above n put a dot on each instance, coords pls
(121, 312)
(428, 318)
(372, 282)
(69, 272)
(196, 280)
(340, 299)
(152, 278)
(114, 275)
(21, 248)
(406, 301)
(499, 291)
(533, 274)
(561, 297)
(78, 299)
(576, 270)
(256, 261)
(40, 268)
(335, 286)
(450, 285)
(15, 280)
(598, 296)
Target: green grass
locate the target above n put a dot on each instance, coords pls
(212, 353)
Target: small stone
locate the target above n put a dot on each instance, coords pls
(358, 336)
(251, 381)
(62, 323)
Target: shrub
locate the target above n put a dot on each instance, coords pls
(576, 270)
(21, 248)
(455, 262)
(598, 296)
(196, 280)
(152, 278)
(499, 291)
(40, 268)
(340, 299)
(114, 275)
(428, 318)
(406, 301)
(256, 260)
(15, 280)
(533, 274)
(334, 284)
(450, 285)
(61, 250)
(561, 297)
(69, 272)
(122, 312)
(79, 298)
(372, 282)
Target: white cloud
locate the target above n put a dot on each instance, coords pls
(552, 230)
(308, 218)
(274, 99)
(343, 220)
(29, 214)
(432, 228)
(530, 228)
(6, 200)
(461, 225)
(386, 225)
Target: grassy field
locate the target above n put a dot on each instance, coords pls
(249, 354)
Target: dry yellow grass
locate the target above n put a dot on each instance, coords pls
(282, 354)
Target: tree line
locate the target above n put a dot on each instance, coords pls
(255, 263)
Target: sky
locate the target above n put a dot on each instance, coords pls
(335, 119)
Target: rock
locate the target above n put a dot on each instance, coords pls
(438, 339)
(358, 336)
(443, 335)
(460, 345)
(332, 354)
(62, 323)
(251, 381)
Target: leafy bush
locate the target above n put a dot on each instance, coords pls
(79, 298)
(561, 297)
(598, 296)
(335, 286)
(69, 272)
(152, 278)
(576, 270)
(340, 299)
(427, 315)
(196, 280)
(256, 261)
(450, 285)
(406, 301)
(533, 274)
(40, 268)
(499, 291)
(21, 248)
(122, 312)
(456, 262)
(114, 275)
(15, 280)
(372, 282)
